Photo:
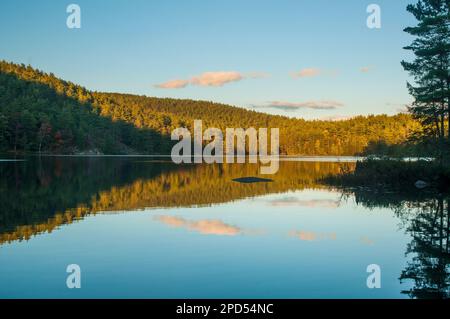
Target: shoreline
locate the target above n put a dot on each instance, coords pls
(407, 176)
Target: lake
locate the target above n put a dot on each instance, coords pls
(142, 227)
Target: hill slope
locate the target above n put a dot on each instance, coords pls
(39, 112)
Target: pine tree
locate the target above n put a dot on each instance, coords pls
(430, 68)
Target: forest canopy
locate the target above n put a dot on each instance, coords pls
(42, 113)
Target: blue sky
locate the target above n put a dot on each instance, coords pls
(302, 58)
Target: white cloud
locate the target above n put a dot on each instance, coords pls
(293, 106)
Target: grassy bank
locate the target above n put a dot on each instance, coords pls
(395, 174)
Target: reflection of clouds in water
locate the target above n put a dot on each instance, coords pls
(312, 236)
(366, 241)
(205, 226)
(293, 201)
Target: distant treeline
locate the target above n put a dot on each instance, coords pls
(41, 113)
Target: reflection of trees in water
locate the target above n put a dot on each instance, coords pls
(429, 268)
(39, 196)
(426, 218)
(35, 190)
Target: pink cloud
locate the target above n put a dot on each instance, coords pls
(204, 226)
(312, 236)
(174, 84)
(216, 78)
(307, 73)
(366, 69)
(212, 79)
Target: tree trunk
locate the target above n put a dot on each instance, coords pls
(436, 123)
(15, 139)
(448, 113)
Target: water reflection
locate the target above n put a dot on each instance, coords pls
(311, 235)
(430, 265)
(40, 195)
(293, 201)
(204, 226)
(426, 217)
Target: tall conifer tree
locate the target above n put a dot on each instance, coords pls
(431, 68)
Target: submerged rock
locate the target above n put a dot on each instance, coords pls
(252, 179)
(420, 184)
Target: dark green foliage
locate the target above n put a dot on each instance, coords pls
(394, 174)
(431, 69)
(39, 112)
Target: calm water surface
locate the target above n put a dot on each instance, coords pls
(145, 228)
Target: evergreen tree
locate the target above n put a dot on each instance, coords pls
(431, 68)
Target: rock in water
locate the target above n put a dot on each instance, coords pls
(247, 180)
(420, 184)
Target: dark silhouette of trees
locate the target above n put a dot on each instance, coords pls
(429, 269)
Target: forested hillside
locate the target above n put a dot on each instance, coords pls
(41, 113)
